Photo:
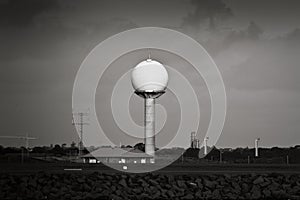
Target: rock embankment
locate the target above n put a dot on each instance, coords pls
(149, 186)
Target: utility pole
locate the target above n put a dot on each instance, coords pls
(205, 145)
(193, 139)
(80, 122)
(256, 146)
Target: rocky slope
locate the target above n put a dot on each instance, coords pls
(149, 186)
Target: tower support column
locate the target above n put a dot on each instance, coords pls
(149, 118)
(149, 126)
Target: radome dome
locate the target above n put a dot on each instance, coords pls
(149, 75)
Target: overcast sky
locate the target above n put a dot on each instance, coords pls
(256, 45)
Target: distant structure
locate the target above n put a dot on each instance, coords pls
(256, 146)
(193, 138)
(195, 143)
(80, 122)
(149, 79)
(205, 145)
(117, 155)
(26, 138)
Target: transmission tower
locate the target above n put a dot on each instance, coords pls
(81, 122)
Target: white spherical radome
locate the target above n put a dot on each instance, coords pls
(149, 75)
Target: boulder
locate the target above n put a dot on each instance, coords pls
(188, 197)
(199, 183)
(170, 194)
(267, 193)
(153, 182)
(258, 180)
(181, 184)
(216, 194)
(255, 192)
(123, 183)
(115, 197)
(198, 195)
(245, 187)
(210, 184)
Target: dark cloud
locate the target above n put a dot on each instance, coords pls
(260, 64)
(212, 11)
(252, 32)
(43, 43)
(21, 13)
